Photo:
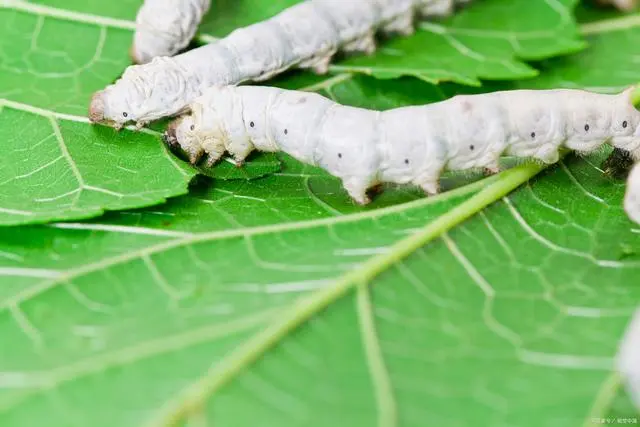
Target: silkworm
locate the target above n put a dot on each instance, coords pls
(408, 145)
(632, 195)
(625, 5)
(628, 362)
(164, 27)
(306, 35)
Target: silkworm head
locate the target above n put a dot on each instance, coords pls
(96, 107)
(182, 139)
(108, 108)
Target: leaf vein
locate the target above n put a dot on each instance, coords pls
(192, 398)
(385, 397)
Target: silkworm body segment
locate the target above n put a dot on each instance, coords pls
(632, 198)
(164, 27)
(409, 145)
(306, 35)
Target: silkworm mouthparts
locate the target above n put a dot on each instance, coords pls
(96, 112)
(170, 140)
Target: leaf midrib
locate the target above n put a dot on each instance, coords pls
(194, 396)
(88, 366)
(587, 29)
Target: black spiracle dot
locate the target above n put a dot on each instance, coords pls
(625, 124)
(339, 155)
(533, 135)
(125, 114)
(252, 124)
(406, 161)
(586, 128)
(471, 147)
(192, 127)
(286, 131)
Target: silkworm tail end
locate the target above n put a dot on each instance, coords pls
(135, 55)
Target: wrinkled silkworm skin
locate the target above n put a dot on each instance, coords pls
(145, 94)
(306, 35)
(165, 27)
(409, 145)
(632, 205)
(624, 5)
(628, 360)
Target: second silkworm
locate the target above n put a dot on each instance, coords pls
(306, 35)
(409, 145)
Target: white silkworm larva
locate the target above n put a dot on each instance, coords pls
(632, 197)
(306, 35)
(164, 27)
(625, 5)
(628, 361)
(409, 145)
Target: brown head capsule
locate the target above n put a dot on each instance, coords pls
(96, 108)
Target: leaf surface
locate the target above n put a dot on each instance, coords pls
(56, 53)
(278, 302)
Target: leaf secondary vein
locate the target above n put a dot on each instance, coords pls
(69, 275)
(385, 398)
(193, 398)
(42, 381)
(601, 26)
